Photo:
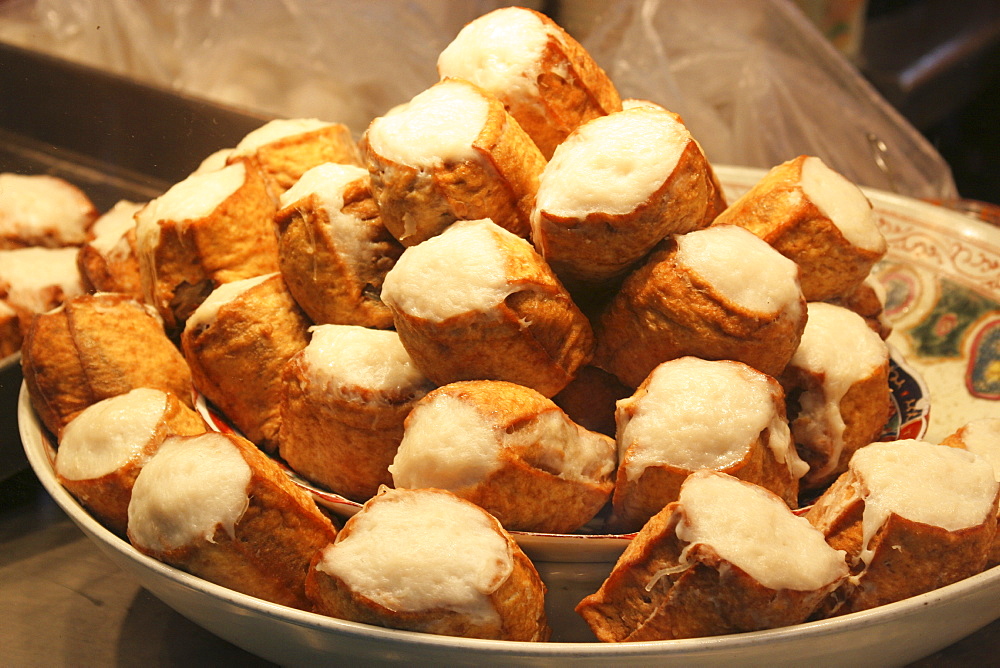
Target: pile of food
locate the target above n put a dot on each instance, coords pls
(518, 303)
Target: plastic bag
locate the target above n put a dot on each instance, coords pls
(754, 80)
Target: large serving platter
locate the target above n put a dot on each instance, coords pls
(943, 278)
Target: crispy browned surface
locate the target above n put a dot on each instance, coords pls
(330, 285)
(572, 89)
(635, 501)
(10, 334)
(589, 399)
(601, 246)
(283, 162)
(97, 346)
(776, 211)
(864, 301)
(499, 184)
(274, 542)
(957, 440)
(107, 497)
(864, 408)
(524, 492)
(111, 274)
(663, 312)
(623, 602)
(908, 557)
(345, 445)
(519, 600)
(237, 240)
(537, 337)
(651, 595)
(236, 362)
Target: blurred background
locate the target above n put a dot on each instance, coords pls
(894, 93)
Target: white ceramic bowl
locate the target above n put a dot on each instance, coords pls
(890, 635)
(926, 241)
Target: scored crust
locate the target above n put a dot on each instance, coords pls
(95, 347)
(499, 183)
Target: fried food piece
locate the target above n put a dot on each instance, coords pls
(333, 249)
(816, 217)
(982, 437)
(109, 262)
(716, 293)
(838, 388)
(692, 414)
(727, 557)
(343, 401)
(105, 446)
(37, 280)
(912, 517)
(237, 343)
(95, 347)
(507, 449)
(285, 149)
(547, 81)
(206, 230)
(478, 303)
(425, 560)
(589, 399)
(868, 301)
(43, 210)
(617, 186)
(216, 506)
(451, 153)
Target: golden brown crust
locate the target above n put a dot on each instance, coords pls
(907, 557)
(638, 499)
(193, 257)
(663, 588)
(864, 408)
(602, 246)
(519, 602)
(776, 210)
(274, 540)
(343, 444)
(865, 301)
(536, 337)
(589, 399)
(285, 160)
(572, 89)
(107, 497)
(523, 492)
(663, 311)
(236, 362)
(97, 346)
(10, 333)
(330, 285)
(102, 273)
(499, 184)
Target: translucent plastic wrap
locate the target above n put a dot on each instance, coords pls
(754, 80)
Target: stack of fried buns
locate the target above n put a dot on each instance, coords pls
(514, 303)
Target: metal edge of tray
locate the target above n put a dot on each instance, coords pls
(124, 129)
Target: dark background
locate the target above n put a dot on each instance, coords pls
(938, 63)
